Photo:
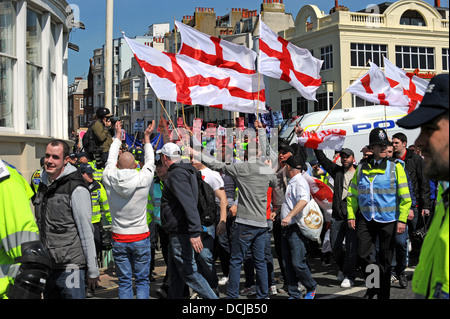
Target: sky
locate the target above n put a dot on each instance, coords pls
(135, 16)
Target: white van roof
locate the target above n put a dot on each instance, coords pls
(358, 122)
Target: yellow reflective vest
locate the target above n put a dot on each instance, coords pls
(17, 223)
(431, 275)
(99, 202)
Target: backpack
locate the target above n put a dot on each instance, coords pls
(207, 206)
(90, 143)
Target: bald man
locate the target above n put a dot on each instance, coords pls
(127, 191)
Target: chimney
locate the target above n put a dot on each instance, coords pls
(437, 3)
(336, 4)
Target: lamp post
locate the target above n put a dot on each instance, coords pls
(109, 54)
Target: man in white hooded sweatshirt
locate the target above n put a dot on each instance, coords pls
(127, 191)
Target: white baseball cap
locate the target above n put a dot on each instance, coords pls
(170, 150)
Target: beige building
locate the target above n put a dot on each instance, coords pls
(34, 40)
(412, 34)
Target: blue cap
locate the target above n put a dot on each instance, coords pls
(86, 168)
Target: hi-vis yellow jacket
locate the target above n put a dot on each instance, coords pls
(17, 223)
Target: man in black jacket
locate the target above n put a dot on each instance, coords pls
(181, 219)
(339, 230)
(421, 185)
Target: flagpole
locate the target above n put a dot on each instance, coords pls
(335, 104)
(176, 49)
(259, 65)
(174, 127)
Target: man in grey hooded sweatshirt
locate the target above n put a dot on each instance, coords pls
(127, 191)
(64, 214)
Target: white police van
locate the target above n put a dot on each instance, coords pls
(357, 122)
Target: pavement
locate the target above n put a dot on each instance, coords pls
(328, 286)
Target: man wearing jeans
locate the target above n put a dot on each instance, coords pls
(293, 242)
(127, 191)
(181, 219)
(253, 179)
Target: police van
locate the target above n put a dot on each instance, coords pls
(357, 122)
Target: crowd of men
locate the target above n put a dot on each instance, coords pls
(156, 198)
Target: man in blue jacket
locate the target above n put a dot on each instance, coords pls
(181, 219)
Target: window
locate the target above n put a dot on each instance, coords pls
(302, 105)
(286, 108)
(412, 17)
(137, 86)
(359, 102)
(7, 47)
(414, 57)
(325, 102)
(326, 54)
(361, 53)
(149, 104)
(34, 68)
(137, 106)
(445, 59)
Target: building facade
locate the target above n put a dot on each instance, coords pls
(34, 38)
(76, 104)
(412, 34)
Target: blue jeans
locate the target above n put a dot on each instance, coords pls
(347, 259)
(246, 237)
(182, 269)
(294, 261)
(399, 261)
(66, 284)
(133, 258)
(205, 259)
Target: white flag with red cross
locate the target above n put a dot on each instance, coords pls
(375, 87)
(215, 51)
(411, 86)
(179, 78)
(332, 139)
(282, 60)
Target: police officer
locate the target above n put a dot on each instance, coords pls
(431, 276)
(24, 262)
(100, 206)
(36, 176)
(378, 205)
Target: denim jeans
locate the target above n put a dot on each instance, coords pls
(347, 259)
(399, 261)
(246, 237)
(133, 258)
(294, 261)
(205, 259)
(182, 269)
(66, 284)
(249, 268)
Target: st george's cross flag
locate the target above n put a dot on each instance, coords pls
(215, 51)
(179, 78)
(332, 139)
(282, 60)
(411, 86)
(375, 87)
(321, 193)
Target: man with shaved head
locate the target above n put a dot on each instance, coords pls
(127, 191)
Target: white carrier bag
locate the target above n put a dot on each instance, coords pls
(311, 221)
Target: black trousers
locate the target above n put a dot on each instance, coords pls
(368, 232)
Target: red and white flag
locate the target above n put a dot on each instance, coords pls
(411, 86)
(332, 139)
(322, 194)
(179, 78)
(375, 87)
(280, 59)
(215, 51)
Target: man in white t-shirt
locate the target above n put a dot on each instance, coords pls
(293, 242)
(205, 259)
